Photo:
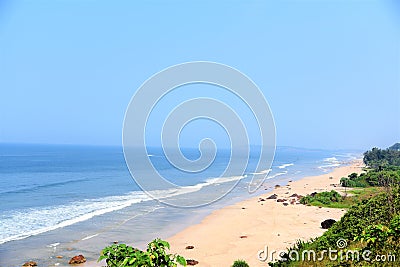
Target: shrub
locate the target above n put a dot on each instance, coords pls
(155, 256)
(323, 198)
(240, 263)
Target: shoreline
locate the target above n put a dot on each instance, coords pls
(241, 230)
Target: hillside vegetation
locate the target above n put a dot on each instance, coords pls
(369, 233)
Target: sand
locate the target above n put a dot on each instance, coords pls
(240, 231)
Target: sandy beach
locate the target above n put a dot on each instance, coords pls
(240, 231)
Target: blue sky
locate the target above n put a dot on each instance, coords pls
(330, 70)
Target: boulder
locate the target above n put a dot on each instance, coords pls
(77, 259)
(191, 262)
(274, 196)
(30, 264)
(189, 247)
(327, 223)
(280, 200)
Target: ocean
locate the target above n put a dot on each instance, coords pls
(64, 200)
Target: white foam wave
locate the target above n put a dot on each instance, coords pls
(53, 245)
(89, 237)
(330, 163)
(277, 174)
(332, 159)
(262, 172)
(283, 166)
(24, 223)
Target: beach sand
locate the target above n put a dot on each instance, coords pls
(241, 230)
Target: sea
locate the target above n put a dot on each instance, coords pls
(66, 200)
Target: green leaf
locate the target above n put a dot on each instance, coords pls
(181, 260)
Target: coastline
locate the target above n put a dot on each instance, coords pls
(239, 231)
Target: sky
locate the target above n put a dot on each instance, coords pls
(330, 70)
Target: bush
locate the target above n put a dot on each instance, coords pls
(375, 221)
(240, 263)
(325, 198)
(381, 239)
(155, 256)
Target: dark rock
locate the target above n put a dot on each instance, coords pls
(276, 186)
(243, 208)
(313, 194)
(285, 204)
(191, 262)
(189, 247)
(274, 196)
(280, 200)
(261, 199)
(327, 223)
(243, 236)
(294, 195)
(77, 259)
(30, 264)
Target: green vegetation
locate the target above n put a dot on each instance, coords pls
(384, 177)
(240, 263)
(155, 256)
(381, 238)
(325, 199)
(333, 199)
(371, 224)
(382, 158)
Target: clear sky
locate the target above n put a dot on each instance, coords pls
(330, 70)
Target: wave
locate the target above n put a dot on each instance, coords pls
(283, 166)
(22, 224)
(194, 188)
(277, 174)
(262, 172)
(35, 187)
(330, 163)
(331, 159)
(220, 180)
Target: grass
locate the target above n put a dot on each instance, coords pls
(354, 196)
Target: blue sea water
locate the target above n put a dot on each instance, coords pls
(65, 200)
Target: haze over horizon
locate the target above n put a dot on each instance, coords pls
(329, 71)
